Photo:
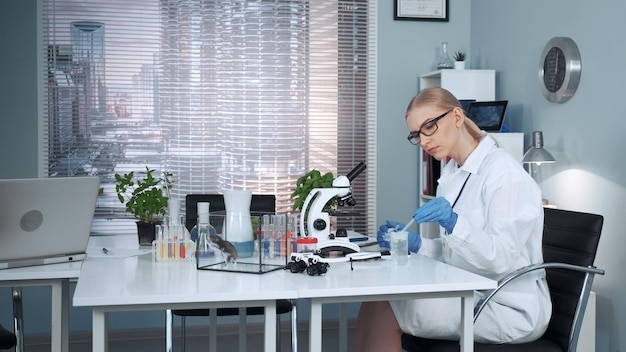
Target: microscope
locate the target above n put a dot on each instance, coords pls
(317, 222)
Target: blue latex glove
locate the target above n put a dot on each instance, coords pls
(438, 210)
(415, 240)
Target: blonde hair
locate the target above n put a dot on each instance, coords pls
(443, 99)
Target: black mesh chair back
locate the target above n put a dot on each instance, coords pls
(260, 203)
(572, 238)
(7, 338)
(570, 243)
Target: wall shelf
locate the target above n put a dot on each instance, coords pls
(464, 84)
(479, 85)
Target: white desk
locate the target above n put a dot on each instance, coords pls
(138, 283)
(57, 276)
(383, 280)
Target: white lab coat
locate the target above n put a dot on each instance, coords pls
(499, 229)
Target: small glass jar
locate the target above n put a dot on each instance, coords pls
(307, 244)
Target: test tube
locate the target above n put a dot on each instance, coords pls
(277, 236)
(158, 244)
(265, 235)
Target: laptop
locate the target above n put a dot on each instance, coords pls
(488, 115)
(45, 220)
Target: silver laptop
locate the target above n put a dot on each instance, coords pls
(45, 220)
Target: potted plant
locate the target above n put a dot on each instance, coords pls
(306, 183)
(146, 196)
(459, 60)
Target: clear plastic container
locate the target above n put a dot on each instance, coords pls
(307, 244)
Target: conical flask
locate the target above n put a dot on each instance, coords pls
(444, 60)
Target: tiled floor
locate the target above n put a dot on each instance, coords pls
(196, 341)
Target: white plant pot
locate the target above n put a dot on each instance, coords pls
(459, 65)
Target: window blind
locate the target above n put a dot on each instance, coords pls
(223, 94)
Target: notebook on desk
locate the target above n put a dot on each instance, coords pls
(45, 220)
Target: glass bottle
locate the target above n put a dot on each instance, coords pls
(201, 233)
(444, 61)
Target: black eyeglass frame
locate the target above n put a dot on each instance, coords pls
(414, 137)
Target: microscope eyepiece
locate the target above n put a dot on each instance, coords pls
(356, 171)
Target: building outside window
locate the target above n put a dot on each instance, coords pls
(225, 95)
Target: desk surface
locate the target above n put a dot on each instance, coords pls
(42, 272)
(65, 270)
(139, 280)
(382, 277)
(420, 277)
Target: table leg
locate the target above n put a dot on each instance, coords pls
(100, 331)
(270, 326)
(315, 330)
(212, 330)
(18, 319)
(60, 316)
(343, 327)
(169, 334)
(294, 327)
(467, 323)
(242, 330)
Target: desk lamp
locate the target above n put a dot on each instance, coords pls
(536, 154)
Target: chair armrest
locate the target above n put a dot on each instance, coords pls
(589, 270)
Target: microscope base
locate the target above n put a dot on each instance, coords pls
(326, 247)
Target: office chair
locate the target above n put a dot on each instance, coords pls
(570, 242)
(259, 203)
(7, 338)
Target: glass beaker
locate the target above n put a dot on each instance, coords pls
(238, 229)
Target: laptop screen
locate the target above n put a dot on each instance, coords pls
(465, 103)
(488, 115)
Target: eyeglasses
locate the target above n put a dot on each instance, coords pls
(428, 129)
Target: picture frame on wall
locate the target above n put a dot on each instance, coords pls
(421, 10)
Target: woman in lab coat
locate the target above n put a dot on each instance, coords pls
(491, 220)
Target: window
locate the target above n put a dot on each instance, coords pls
(247, 94)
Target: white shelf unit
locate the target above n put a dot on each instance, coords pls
(464, 84)
(479, 85)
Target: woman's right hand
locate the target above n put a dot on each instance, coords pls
(415, 240)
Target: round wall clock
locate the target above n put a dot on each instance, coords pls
(559, 69)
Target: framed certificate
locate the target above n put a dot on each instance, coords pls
(421, 10)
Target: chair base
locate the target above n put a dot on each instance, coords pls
(417, 344)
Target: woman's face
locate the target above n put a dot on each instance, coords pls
(441, 124)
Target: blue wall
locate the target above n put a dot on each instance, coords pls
(18, 89)
(584, 134)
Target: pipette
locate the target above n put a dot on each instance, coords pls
(409, 224)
